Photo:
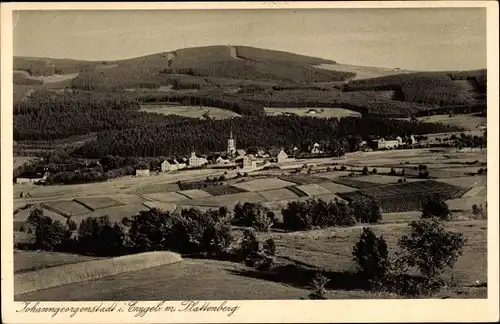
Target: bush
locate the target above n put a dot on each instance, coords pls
(374, 171)
(365, 171)
(50, 235)
(252, 215)
(375, 215)
(430, 249)
(479, 212)
(254, 256)
(436, 207)
(372, 258)
(249, 247)
(392, 172)
(318, 287)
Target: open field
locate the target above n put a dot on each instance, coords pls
(466, 182)
(115, 213)
(66, 207)
(465, 203)
(478, 191)
(318, 112)
(406, 196)
(222, 190)
(333, 174)
(302, 253)
(34, 260)
(94, 203)
(186, 280)
(165, 196)
(330, 249)
(263, 184)
(164, 187)
(228, 200)
(190, 111)
(468, 122)
(82, 271)
(362, 72)
(301, 179)
(194, 193)
(123, 185)
(385, 179)
(355, 183)
(335, 187)
(169, 207)
(313, 189)
(278, 194)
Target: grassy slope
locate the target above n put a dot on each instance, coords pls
(327, 249)
(34, 260)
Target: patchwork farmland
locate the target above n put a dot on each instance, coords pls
(401, 203)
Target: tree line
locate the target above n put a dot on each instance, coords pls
(205, 136)
(433, 88)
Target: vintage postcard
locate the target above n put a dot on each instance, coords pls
(249, 162)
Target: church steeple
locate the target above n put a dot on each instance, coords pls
(231, 145)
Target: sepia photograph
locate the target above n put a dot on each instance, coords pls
(213, 156)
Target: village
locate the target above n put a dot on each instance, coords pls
(253, 159)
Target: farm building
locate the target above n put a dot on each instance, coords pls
(221, 160)
(172, 165)
(282, 156)
(196, 161)
(31, 177)
(249, 162)
(169, 165)
(389, 144)
(218, 158)
(142, 172)
(241, 152)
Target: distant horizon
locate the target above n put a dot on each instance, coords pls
(271, 49)
(417, 39)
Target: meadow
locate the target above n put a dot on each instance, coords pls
(299, 255)
(190, 111)
(317, 112)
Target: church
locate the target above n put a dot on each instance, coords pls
(231, 144)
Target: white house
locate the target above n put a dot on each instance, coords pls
(413, 140)
(196, 161)
(142, 173)
(221, 160)
(241, 152)
(282, 156)
(31, 177)
(169, 165)
(315, 149)
(387, 144)
(249, 161)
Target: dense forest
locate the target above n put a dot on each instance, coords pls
(49, 116)
(205, 136)
(434, 88)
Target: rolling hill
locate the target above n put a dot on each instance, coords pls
(247, 81)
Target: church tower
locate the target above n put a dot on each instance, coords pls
(231, 145)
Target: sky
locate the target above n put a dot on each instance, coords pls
(415, 39)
